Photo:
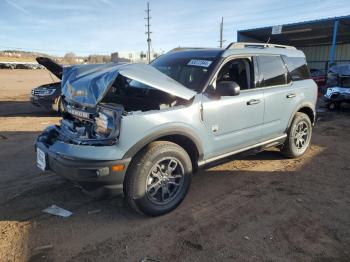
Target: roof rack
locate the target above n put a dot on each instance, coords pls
(237, 45)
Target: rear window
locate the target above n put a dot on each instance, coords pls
(273, 71)
(297, 68)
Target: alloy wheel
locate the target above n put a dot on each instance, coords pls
(165, 180)
(301, 135)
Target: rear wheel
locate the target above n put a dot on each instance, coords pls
(299, 136)
(158, 179)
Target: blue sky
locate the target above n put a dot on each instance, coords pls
(105, 26)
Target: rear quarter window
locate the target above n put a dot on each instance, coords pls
(297, 68)
(273, 71)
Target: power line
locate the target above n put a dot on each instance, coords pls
(148, 33)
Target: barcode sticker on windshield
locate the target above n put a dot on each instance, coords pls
(202, 63)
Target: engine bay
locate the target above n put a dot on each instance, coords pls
(135, 96)
(100, 125)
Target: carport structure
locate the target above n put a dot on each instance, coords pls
(324, 41)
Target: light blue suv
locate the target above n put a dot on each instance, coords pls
(142, 130)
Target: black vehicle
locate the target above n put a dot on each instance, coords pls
(318, 76)
(48, 96)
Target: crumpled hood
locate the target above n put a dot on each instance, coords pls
(88, 84)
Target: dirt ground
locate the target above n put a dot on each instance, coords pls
(260, 208)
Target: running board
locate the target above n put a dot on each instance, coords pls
(259, 147)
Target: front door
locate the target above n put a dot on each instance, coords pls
(235, 122)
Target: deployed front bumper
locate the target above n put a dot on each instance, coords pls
(64, 159)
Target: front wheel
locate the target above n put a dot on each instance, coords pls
(299, 136)
(333, 106)
(158, 179)
(60, 106)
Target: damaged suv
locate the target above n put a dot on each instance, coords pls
(338, 86)
(142, 130)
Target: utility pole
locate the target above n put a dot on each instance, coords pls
(221, 41)
(148, 33)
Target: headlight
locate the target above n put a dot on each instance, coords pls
(43, 91)
(103, 124)
(107, 123)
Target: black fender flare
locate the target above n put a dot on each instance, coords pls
(297, 109)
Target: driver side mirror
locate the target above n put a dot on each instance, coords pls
(227, 88)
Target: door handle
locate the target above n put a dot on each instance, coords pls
(253, 102)
(291, 95)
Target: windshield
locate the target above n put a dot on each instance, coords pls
(192, 72)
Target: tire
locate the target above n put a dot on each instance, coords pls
(296, 144)
(158, 178)
(60, 106)
(333, 106)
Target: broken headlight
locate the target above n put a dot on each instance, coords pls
(107, 123)
(103, 124)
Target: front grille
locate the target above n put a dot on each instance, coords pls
(78, 113)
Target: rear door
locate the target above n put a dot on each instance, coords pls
(280, 94)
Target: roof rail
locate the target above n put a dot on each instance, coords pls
(237, 45)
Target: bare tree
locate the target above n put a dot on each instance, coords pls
(142, 55)
(98, 59)
(69, 58)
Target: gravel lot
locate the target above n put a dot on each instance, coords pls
(260, 208)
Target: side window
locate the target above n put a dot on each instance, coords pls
(239, 70)
(297, 68)
(273, 71)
